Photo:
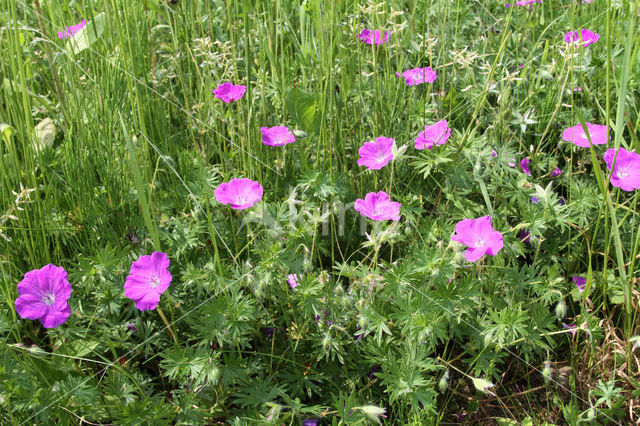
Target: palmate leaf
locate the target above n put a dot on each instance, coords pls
(256, 392)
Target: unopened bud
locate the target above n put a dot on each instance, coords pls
(443, 383)
(546, 372)
(326, 342)
(561, 310)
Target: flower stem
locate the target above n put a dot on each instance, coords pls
(164, 320)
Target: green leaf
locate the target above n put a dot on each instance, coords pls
(45, 133)
(87, 35)
(82, 347)
(6, 131)
(303, 108)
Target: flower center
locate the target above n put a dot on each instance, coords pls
(479, 242)
(154, 281)
(241, 199)
(622, 173)
(49, 298)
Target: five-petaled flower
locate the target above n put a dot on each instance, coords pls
(435, 134)
(626, 170)
(376, 154)
(582, 38)
(71, 30)
(579, 282)
(417, 76)
(148, 278)
(43, 295)
(377, 206)
(577, 135)
(240, 193)
(479, 236)
(524, 165)
(373, 37)
(556, 172)
(228, 92)
(276, 136)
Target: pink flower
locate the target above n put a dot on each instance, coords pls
(378, 207)
(555, 172)
(572, 328)
(240, 193)
(524, 165)
(276, 136)
(148, 278)
(479, 236)
(43, 295)
(576, 134)
(437, 134)
(626, 171)
(585, 37)
(373, 37)
(523, 3)
(292, 279)
(70, 31)
(376, 155)
(229, 92)
(579, 282)
(417, 76)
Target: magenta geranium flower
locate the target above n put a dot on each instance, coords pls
(479, 236)
(292, 279)
(229, 92)
(556, 172)
(576, 134)
(373, 37)
(240, 193)
(43, 295)
(71, 30)
(276, 136)
(148, 278)
(583, 37)
(524, 165)
(579, 282)
(435, 134)
(376, 155)
(417, 76)
(626, 171)
(377, 206)
(572, 327)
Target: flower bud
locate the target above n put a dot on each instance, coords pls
(561, 310)
(443, 383)
(326, 342)
(362, 322)
(546, 372)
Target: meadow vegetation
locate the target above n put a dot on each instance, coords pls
(319, 212)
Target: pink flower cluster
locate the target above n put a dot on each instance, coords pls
(43, 294)
(582, 38)
(373, 37)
